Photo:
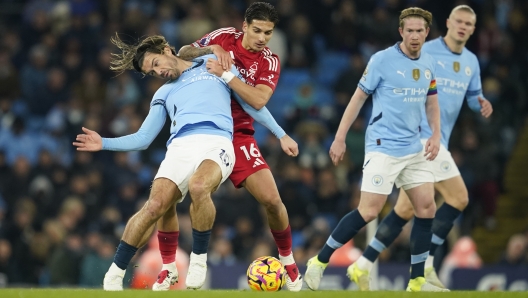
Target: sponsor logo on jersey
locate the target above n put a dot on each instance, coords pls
(269, 79)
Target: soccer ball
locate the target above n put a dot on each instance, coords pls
(266, 274)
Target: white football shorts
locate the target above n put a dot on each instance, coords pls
(443, 166)
(184, 156)
(382, 171)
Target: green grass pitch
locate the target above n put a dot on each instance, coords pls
(79, 293)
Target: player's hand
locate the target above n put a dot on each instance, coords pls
(486, 107)
(432, 146)
(89, 141)
(337, 151)
(224, 59)
(289, 146)
(214, 68)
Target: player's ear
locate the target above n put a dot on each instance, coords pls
(167, 50)
(427, 31)
(400, 29)
(244, 27)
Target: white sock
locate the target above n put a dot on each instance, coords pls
(114, 270)
(171, 267)
(201, 258)
(364, 263)
(287, 260)
(429, 261)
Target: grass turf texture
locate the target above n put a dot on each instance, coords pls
(79, 293)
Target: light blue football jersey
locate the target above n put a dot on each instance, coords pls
(399, 86)
(457, 77)
(197, 98)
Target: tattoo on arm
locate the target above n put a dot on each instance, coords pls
(189, 52)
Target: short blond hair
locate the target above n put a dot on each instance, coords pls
(416, 12)
(465, 8)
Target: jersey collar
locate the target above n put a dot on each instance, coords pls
(196, 63)
(397, 46)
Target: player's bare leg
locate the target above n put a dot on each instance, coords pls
(263, 187)
(201, 184)
(168, 233)
(162, 196)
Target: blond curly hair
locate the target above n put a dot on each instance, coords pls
(131, 56)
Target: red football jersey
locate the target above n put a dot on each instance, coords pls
(258, 68)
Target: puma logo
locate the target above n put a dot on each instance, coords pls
(441, 64)
(402, 73)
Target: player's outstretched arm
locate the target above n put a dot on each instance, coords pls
(432, 111)
(89, 141)
(338, 148)
(189, 52)
(140, 140)
(257, 96)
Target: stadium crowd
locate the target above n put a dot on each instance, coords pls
(62, 212)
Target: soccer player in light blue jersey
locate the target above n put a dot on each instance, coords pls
(401, 80)
(457, 78)
(200, 154)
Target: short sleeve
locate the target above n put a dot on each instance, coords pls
(371, 76)
(270, 72)
(475, 84)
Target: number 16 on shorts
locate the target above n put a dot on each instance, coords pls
(252, 152)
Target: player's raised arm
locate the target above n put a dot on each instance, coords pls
(257, 96)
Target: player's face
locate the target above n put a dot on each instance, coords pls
(460, 25)
(257, 34)
(413, 33)
(163, 66)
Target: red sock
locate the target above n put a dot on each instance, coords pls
(283, 239)
(168, 243)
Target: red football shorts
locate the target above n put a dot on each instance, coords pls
(248, 159)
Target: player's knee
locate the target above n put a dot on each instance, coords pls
(459, 201)
(368, 214)
(270, 201)
(405, 212)
(198, 188)
(426, 209)
(154, 209)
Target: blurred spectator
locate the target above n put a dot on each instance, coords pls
(65, 262)
(515, 251)
(463, 255)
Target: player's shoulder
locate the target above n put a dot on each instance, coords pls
(379, 56)
(269, 58)
(227, 32)
(469, 55)
(164, 90)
